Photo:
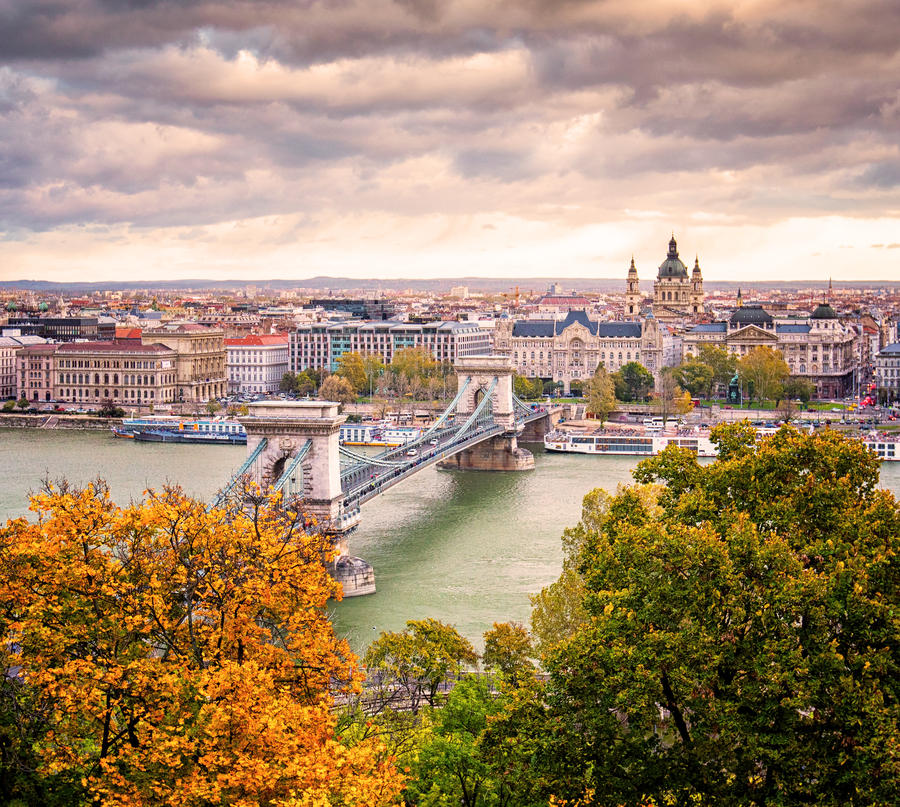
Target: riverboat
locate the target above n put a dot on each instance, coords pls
(886, 446)
(621, 443)
(215, 431)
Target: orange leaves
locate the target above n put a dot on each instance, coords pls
(184, 655)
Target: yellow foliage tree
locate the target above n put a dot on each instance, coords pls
(183, 655)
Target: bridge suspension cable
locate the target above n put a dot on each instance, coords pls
(362, 458)
(291, 466)
(247, 465)
(521, 404)
(485, 401)
(448, 411)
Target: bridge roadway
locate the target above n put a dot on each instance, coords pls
(363, 481)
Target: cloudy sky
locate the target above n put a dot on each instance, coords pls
(430, 138)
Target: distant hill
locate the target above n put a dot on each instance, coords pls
(474, 284)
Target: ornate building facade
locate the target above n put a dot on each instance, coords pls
(676, 295)
(569, 350)
(819, 347)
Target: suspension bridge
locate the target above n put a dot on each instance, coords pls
(293, 448)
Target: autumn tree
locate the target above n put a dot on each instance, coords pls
(743, 646)
(414, 362)
(336, 388)
(352, 367)
(798, 389)
(176, 654)
(601, 394)
(765, 371)
(670, 399)
(509, 650)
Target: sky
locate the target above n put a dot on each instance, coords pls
(426, 139)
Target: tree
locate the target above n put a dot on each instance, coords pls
(414, 362)
(696, 377)
(373, 367)
(110, 410)
(508, 649)
(633, 382)
(670, 399)
(765, 371)
(288, 383)
(335, 388)
(601, 394)
(304, 383)
(743, 646)
(526, 388)
(8, 406)
(722, 362)
(452, 767)
(212, 407)
(800, 389)
(172, 648)
(352, 367)
(23, 403)
(414, 663)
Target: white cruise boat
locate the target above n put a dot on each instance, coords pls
(611, 442)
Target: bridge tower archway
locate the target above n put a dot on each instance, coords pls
(286, 426)
(475, 376)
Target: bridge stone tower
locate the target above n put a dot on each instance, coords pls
(500, 453)
(286, 426)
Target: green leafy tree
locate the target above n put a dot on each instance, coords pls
(288, 383)
(508, 649)
(601, 394)
(696, 377)
(336, 388)
(373, 367)
(413, 664)
(8, 406)
(765, 372)
(799, 389)
(743, 646)
(304, 383)
(527, 388)
(23, 403)
(723, 363)
(212, 407)
(633, 382)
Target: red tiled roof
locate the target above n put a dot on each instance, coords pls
(128, 333)
(258, 340)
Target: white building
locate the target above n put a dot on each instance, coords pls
(256, 363)
(10, 344)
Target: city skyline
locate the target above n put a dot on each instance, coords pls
(420, 139)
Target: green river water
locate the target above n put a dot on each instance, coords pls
(465, 548)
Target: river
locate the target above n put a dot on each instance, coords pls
(463, 547)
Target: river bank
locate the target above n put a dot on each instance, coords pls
(55, 420)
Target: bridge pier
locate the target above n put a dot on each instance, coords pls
(287, 426)
(476, 374)
(500, 453)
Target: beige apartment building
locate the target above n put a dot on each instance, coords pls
(200, 364)
(125, 372)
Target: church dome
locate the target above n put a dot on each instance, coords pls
(824, 311)
(672, 265)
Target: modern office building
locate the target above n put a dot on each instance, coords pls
(320, 345)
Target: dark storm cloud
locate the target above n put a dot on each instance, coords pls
(156, 112)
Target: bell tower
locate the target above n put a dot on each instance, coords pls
(697, 295)
(632, 293)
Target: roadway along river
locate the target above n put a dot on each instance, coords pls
(466, 548)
